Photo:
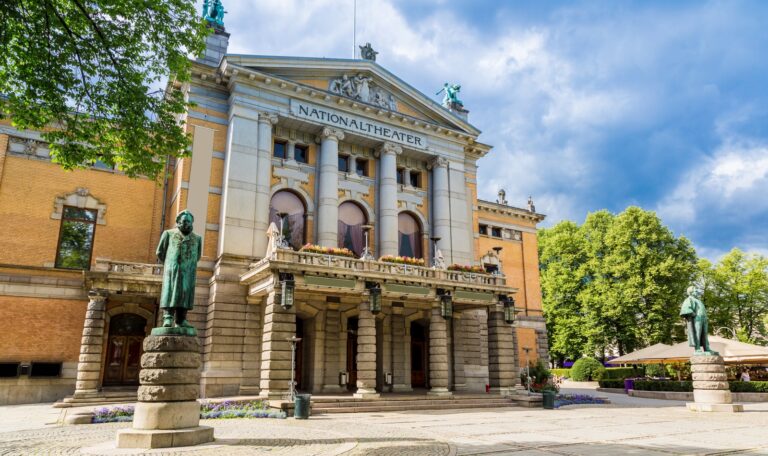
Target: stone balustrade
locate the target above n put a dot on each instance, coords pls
(126, 267)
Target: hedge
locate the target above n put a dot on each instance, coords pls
(611, 384)
(748, 387)
(620, 373)
(561, 372)
(585, 369)
(687, 386)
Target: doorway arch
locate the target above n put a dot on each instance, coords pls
(124, 349)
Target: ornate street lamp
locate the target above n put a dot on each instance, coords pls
(367, 253)
(287, 287)
(446, 305)
(509, 308)
(374, 297)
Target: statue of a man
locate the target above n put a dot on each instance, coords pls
(695, 314)
(179, 250)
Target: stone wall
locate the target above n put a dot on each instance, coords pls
(471, 352)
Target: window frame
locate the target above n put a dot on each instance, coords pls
(482, 229)
(64, 219)
(285, 149)
(495, 229)
(365, 163)
(417, 175)
(400, 176)
(346, 159)
(303, 147)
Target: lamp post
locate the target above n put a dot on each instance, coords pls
(733, 333)
(434, 240)
(367, 253)
(294, 341)
(527, 370)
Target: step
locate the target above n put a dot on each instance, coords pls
(407, 403)
(403, 408)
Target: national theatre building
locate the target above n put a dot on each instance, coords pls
(339, 215)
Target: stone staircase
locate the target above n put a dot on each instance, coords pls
(104, 397)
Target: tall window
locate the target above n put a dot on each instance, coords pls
(401, 176)
(280, 149)
(76, 238)
(409, 236)
(290, 208)
(415, 179)
(351, 221)
(344, 163)
(301, 153)
(361, 167)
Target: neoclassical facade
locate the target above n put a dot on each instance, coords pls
(309, 179)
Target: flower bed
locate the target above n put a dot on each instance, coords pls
(466, 268)
(402, 260)
(335, 251)
(577, 399)
(208, 411)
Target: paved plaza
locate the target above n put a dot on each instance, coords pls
(627, 426)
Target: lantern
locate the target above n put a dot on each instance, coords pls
(374, 298)
(446, 306)
(288, 286)
(509, 309)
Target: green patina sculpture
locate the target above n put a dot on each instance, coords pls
(698, 325)
(213, 11)
(451, 97)
(179, 250)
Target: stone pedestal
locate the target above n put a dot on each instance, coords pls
(710, 386)
(167, 412)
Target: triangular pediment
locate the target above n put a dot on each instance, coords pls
(360, 81)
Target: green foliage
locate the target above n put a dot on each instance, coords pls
(655, 370)
(609, 283)
(748, 387)
(585, 369)
(540, 376)
(611, 384)
(680, 371)
(88, 72)
(620, 373)
(565, 373)
(736, 295)
(663, 385)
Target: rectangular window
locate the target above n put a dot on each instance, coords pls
(401, 176)
(361, 167)
(344, 163)
(76, 238)
(415, 179)
(45, 370)
(484, 230)
(280, 149)
(496, 232)
(301, 153)
(9, 370)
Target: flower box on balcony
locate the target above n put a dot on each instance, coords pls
(466, 268)
(403, 260)
(335, 251)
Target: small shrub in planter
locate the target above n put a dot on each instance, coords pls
(335, 251)
(467, 268)
(587, 369)
(540, 376)
(402, 260)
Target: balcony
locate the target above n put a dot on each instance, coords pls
(124, 277)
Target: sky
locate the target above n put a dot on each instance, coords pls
(588, 105)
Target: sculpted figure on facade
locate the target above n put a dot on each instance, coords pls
(213, 12)
(451, 97)
(361, 87)
(695, 315)
(367, 52)
(179, 250)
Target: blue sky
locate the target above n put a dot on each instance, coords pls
(589, 105)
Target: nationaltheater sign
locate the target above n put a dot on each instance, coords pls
(355, 124)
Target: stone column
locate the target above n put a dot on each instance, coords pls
(249, 385)
(366, 352)
(502, 371)
(441, 214)
(328, 188)
(89, 364)
(318, 352)
(438, 354)
(401, 374)
(710, 386)
(279, 327)
(290, 153)
(333, 351)
(387, 228)
(263, 180)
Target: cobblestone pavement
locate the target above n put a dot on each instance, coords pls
(629, 426)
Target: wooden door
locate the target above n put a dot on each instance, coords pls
(124, 349)
(419, 356)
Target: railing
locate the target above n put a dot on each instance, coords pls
(354, 265)
(126, 267)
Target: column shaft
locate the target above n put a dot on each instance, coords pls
(328, 189)
(387, 228)
(263, 180)
(366, 352)
(438, 354)
(89, 363)
(441, 214)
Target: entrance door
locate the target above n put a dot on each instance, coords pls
(352, 353)
(124, 349)
(419, 355)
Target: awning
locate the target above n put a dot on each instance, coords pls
(732, 351)
(642, 355)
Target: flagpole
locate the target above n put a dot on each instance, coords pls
(354, 27)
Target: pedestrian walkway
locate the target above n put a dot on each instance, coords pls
(627, 426)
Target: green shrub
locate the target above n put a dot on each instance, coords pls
(566, 373)
(748, 387)
(611, 384)
(655, 370)
(620, 373)
(663, 385)
(540, 375)
(586, 369)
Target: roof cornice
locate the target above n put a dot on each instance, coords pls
(503, 209)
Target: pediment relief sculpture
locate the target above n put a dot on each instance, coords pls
(362, 88)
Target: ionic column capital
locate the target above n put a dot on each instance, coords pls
(97, 296)
(389, 148)
(268, 117)
(332, 133)
(438, 162)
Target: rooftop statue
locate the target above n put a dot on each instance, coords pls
(367, 52)
(451, 97)
(179, 249)
(695, 314)
(213, 12)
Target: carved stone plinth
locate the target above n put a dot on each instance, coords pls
(167, 413)
(710, 386)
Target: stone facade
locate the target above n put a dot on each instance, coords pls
(262, 126)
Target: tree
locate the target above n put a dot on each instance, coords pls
(736, 294)
(83, 71)
(613, 283)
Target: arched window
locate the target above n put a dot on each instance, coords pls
(291, 208)
(351, 221)
(409, 236)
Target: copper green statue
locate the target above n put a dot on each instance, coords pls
(179, 250)
(695, 315)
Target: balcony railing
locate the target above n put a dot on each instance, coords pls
(126, 267)
(366, 268)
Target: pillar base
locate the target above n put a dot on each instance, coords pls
(157, 438)
(439, 392)
(402, 389)
(366, 393)
(273, 395)
(250, 390)
(701, 407)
